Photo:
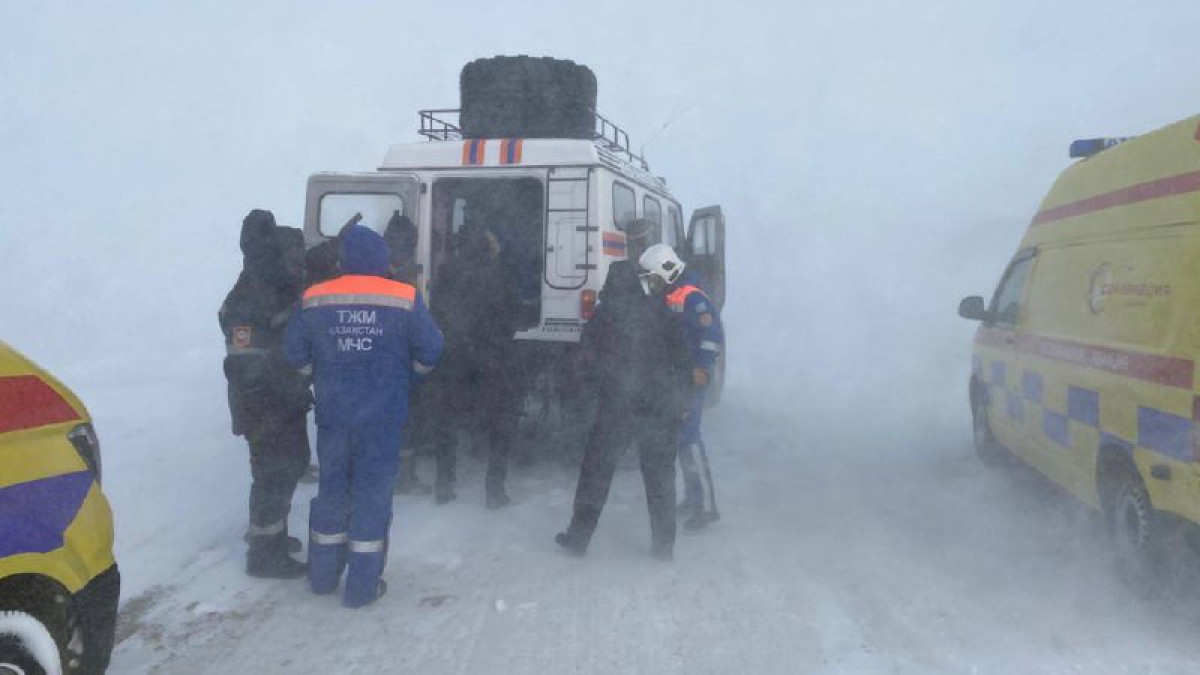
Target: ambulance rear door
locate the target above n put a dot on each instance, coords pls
(706, 249)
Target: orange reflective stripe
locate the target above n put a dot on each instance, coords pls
(677, 299)
(355, 289)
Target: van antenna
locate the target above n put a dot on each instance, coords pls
(670, 120)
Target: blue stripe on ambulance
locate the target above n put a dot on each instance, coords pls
(1083, 405)
(35, 515)
(1166, 433)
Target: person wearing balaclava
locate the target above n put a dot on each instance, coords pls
(640, 366)
(477, 387)
(268, 400)
(366, 338)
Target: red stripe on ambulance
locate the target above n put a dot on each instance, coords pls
(1155, 189)
(26, 402)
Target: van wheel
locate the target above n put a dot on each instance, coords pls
(1137, 532)
(38, 621)
(987, 449)
(27, 646)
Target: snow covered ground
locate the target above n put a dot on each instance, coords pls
(846, 546)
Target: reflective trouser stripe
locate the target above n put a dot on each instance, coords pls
(694, 460)
(267, 530)
(328, 539)
(710, 346)
(373, 546)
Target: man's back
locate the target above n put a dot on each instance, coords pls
(362, 334)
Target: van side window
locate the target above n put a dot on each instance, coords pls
(624, 206)
(672, 232)
(1006, 303)
(652, 210)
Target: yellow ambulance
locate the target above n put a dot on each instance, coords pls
(1084, 364)
(59, 583)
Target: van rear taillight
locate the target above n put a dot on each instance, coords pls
(587, 304)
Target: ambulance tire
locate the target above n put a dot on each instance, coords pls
(989, 451)
(38, 622)
(1148, 552)
(27, 646)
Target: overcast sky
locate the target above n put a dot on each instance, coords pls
(877, 159)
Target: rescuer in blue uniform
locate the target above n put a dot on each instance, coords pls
(366, 337)
(701, 322)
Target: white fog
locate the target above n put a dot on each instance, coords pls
(876, 162)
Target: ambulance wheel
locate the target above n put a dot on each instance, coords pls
(1140, 536)
(990, 452)
(39, 629)
(27, 646)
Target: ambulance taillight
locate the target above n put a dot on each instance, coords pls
(587, 304)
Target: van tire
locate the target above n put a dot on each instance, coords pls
(38, 609)
(28, 646)
(989, 451)
(1140, 536)
(527, 97)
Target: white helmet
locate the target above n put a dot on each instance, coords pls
(662, 261)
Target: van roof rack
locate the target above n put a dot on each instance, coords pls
(441, 124)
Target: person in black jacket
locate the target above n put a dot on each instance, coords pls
(642, 370)
(477, 384)
(268, 399)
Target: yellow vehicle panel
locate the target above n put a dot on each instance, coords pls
(1099, 349)
(58, 523)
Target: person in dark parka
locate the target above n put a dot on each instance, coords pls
(642, 371)
(268, 399)
(478, 385)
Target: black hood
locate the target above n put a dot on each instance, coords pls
(262, 248)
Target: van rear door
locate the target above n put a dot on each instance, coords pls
(706, 249)
(372, 199)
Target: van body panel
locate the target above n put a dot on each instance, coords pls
(1100, 354)
(38, 464)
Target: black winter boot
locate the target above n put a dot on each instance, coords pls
(294, 544)
(443, 494)
(664, 551)
(268, 558)
(496, 498)
(409, 483)
(572, 542)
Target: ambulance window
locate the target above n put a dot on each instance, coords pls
(336, 209)
(1006, 305)
(624, 206)
(652, 210)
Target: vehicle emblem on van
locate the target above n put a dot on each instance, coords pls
(1098, 293)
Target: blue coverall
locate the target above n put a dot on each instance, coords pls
(365, 337)
(701, 323)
